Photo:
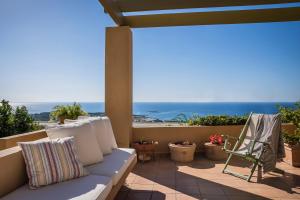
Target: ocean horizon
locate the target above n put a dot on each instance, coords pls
(169, 110)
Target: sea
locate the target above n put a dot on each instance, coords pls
(170, 110)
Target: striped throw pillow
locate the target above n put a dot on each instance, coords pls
(51, 161)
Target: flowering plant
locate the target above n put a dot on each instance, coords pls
(216, 139)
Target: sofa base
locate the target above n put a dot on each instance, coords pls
(114, 191)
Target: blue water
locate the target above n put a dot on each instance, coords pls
(167, 111)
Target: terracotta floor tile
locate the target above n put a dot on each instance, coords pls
(211, 191)
(122, 195)
(139, 196)
(129, 180)
(165, 174)
(186, 181)
(162, 196)
(214, 197)
(164, 189)
(180, 196)
(141, 187)
(143, 181)
(245, 197)
(187, 189)
(165, 179)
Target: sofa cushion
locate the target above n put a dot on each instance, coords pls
(85, 140)
(114, 164)
(102, 135)
(110, 132)
(90, 187)
(51, 161)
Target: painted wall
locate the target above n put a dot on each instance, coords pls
(11, 141)
(196, 134)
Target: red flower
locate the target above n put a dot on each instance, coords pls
(216, 139)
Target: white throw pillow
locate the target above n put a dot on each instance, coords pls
(102, 135)
(85, 140)
(110, 132)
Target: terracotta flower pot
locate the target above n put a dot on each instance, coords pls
(182, 153)
(61, 120)
(292, 154)
(214, 151)
(146, 151)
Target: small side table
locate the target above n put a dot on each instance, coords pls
(146, 151)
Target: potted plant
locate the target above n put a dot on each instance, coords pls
(145, 149)
(292, 148)
(213, 148)
(62, 112)
(182, 151)
(292, 140)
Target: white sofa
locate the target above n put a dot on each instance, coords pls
(103, 182)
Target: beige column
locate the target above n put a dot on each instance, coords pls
(118, 82)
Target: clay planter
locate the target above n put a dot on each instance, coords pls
(214, 152)
(145, 151)
(182, 153)
(61, 119)
(292, 154)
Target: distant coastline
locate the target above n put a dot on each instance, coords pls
(45, 117)
(163, 111)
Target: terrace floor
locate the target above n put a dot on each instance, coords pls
(203, 179)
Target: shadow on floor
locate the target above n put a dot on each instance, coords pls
(202, 179)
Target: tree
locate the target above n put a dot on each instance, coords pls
(6, 119)
(15, 121)
(23, 121)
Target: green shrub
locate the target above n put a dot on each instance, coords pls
(292, 139)
(291, 115)
(67, 112)
(220, 120)
(15, 121)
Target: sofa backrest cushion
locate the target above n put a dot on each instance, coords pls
(85, 140)
(52, 161)
(110, 132)
(102, 135)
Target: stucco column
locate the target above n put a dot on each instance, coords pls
(118, 82)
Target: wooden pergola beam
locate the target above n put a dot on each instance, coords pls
(148, 5)
(216, 17)
(112, 9)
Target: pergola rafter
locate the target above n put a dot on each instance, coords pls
(149, 5)
(116, 8)
(218, 17)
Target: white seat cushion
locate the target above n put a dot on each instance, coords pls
(85, 140)
(90, 187)
(114, 164)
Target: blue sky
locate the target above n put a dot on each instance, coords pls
(53, 50)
